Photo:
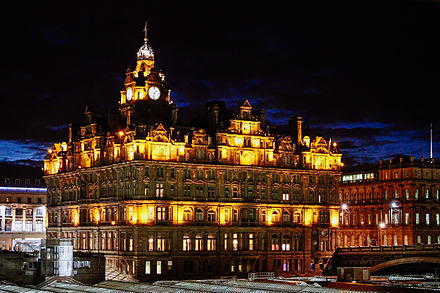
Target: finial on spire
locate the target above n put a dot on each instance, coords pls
(145, 30)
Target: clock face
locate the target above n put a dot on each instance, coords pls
(154, 92)
(129, 93)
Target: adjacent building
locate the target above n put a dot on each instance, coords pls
(163, 200)
(22, 214)
(394, 202)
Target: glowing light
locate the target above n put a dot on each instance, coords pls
(23, 189)
(143, 214)
(75, 217)
(50, 151)
(382, 225)
(308, 217)
(344, 206)
(238, 141)
(96, 215)
(334, 219)
(121, 133)
(113, 222)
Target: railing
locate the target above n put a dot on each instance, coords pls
(417, 247)
(261, 275)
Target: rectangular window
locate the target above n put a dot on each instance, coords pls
(235, 215)
(251, 241)
(210, 244)
(417, 218)
(161, 214)
(235, 242)
(159, 189)
(160, 243)
(159, 267)
(186, 243)
(285, 195)
(170, 265)
(147, 267)
(225, 242)
(151, 244)
(427, 219)
(198, 244)
(406, 218)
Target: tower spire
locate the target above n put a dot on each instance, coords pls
(145, 31)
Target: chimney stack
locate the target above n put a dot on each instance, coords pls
(299, 130)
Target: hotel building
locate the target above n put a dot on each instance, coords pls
(162, 200)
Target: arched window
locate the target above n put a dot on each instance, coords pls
(286, 243)
(419, 239)
(428, 240)
(275, 243)
(187, 215)
(211, 216)
(275, 217)
(286, 217)
(199, 215)
(296, 217)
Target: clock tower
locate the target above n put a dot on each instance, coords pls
(145, 97)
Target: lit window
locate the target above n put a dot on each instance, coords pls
(159, 189)
(235, 242)
(275, 217)
(251, 241)
(210, 243)
(186, 243)
(198, 243)
(187, 215)
(161, 213)
(160, 241)
(159, 267)
(275, 245)
(147, 267)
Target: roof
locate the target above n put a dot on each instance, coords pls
(213, 285)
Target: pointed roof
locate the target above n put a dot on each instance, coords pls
(246, 104)
(160, 128)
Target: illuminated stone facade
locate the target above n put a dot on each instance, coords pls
(162, 200)
(391, 203)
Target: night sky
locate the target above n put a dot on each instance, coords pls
(365, 73)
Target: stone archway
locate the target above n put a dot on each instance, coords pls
(405, 260)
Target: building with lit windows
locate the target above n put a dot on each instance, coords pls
(163, 200)
(395, 202)
(22, 214)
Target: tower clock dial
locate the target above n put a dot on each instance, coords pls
(154, 92)
(129, 93)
